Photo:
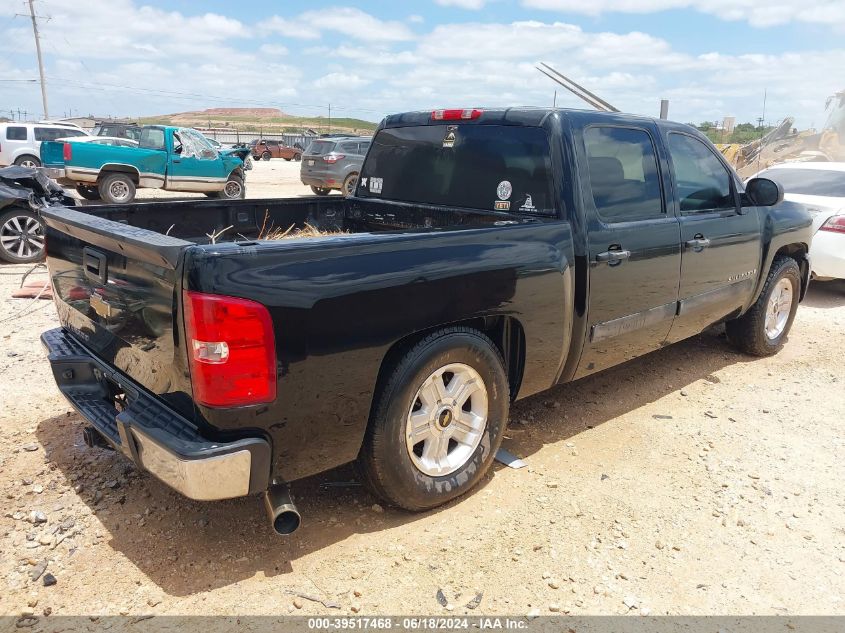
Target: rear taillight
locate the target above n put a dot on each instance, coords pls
(333, 158)
(67, 152)
(834, 224)
(453, 115)
(231, 348)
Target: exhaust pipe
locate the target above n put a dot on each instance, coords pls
(284, 517)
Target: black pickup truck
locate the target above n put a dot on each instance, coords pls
(485, 256)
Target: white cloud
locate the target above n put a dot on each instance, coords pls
(340, 81)
(519, 40)
(276, 50)
(758, 13)
(77, 29)
(463, 4)
(345, 20)
(290, 28)
(416, 19)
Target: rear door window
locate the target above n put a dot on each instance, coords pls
(623, 174)
(487, 167)
(15, 133)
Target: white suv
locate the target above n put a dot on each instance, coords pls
(20, 143)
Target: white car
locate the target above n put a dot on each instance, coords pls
(821, 188)
(20, 143)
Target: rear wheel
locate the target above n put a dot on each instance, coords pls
(349, 184)
(116, 188)
(438, 420)
(88, 192)
(321, 191)
(763, 329)
(27, 160)
(266, 156)
(297, 157)
(21, 237)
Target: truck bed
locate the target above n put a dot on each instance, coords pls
(336, 302)
(195, 220)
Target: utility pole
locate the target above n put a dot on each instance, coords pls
(330, 118)
(40, 62)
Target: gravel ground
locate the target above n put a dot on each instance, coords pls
(694, 480)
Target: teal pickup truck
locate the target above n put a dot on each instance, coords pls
(171, 158)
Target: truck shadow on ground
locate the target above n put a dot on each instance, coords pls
(186, 547)
(825, 294)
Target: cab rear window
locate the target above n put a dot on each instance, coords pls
(485, 167)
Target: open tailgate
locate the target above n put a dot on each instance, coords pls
(116, 289)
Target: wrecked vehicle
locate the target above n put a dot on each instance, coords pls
(485, 256)
(170, 158)
(23, 192)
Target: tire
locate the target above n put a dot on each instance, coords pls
(27, 160)
(21, 237)
(423, 475)
(266, 156)
(297, 158)
(234, 188)
(321, 191)
(349, 184)
(87, 192)
(116, 188)
(762, 330)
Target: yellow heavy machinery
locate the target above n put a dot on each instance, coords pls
(784, 143)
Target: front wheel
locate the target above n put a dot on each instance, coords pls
(117, 188)
(438, 420)
(88, 192)
(763, 329)
(266, 156)
(233, 189)
(21, 237)
(297, 158)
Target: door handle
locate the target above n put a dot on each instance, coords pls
(177, 160)
(698, 243)
(613, 257)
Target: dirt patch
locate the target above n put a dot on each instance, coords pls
(694, 480)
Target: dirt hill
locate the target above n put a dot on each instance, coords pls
(265, 119)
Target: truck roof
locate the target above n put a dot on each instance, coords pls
(522, 115)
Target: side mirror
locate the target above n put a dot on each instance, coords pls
(762, 192)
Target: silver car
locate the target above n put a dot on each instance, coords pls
(333, 163)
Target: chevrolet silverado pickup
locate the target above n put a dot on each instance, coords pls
(485, 256)
(166, 157)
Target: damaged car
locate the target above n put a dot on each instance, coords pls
(23, 192)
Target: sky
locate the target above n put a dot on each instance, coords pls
(710, 58)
